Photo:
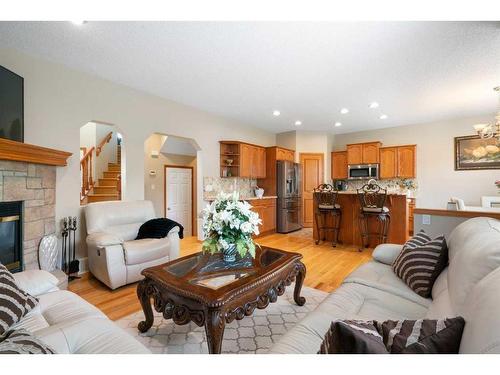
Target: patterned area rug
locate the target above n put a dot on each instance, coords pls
(252, 334)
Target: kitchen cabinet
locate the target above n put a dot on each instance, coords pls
(285, 154)
(266, 208)
(407, 161)
(398, 161)
(272, 155)
(339, 165)
(355, 154)
(411, 208)
(388, 162)
(363, 153)
(240, 159)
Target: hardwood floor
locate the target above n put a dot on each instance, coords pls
(326, 268)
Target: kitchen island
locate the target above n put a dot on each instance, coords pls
(349, 227)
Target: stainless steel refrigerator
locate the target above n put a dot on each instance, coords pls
(289, 203)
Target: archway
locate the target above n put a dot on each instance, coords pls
(172, 178)
(102, 161)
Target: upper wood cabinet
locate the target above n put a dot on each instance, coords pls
(398, 161)
(339, 165)
(285, 154)
(242, 160)
(388, 162)
(273, 154)
(407, 161)
(355, 154)
(363, 153)
(371, 153)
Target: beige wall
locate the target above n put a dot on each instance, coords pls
(308, 142)
(154, 186)
(58, 101)
(437, 178)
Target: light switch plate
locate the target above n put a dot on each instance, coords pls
(426, 219)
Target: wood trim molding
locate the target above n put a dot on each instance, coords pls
(467, 214)
(18, 151)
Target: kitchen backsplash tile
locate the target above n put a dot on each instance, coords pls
(392, 186)
(214, 185)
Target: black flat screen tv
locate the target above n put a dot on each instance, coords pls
(11, 105)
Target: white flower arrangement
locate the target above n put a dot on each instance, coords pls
(227, 222)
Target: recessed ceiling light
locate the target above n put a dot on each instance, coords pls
(344, 111)
(298, 123)
(383, 117)
(78, 22)
(276, 113)
(374, 105)
(337, 124)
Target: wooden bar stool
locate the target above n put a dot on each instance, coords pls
(372, 199)
(325, 204)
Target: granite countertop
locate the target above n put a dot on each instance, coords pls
(209, 199)
(352, 192)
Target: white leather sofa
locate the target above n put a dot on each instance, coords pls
(69, 324)
(469, 287)
(115, 257)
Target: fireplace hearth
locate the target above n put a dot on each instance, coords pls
(11, 236)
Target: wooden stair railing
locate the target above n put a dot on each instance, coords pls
(86, 165)
(103, 142)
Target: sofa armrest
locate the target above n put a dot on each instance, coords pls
(387, 253)
(36, 282)
(175, 243)
(102, 239)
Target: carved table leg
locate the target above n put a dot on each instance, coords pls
(214, 328)
(299, 280)
(145, 298)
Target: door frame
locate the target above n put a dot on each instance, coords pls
(322, 177)
(194, 230)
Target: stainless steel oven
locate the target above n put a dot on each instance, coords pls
(363, 171)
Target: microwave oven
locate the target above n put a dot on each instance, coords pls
(363, 171)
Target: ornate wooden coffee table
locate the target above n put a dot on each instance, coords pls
(188, 289)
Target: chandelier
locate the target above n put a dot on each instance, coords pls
(486, 131)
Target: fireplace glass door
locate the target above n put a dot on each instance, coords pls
(10, 235)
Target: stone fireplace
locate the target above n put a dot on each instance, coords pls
(34, 185)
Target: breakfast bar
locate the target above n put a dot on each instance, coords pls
(349, 228)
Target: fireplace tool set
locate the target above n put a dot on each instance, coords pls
(70, 265)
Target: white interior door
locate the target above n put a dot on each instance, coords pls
(178, 205)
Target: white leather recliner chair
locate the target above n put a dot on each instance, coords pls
(115, 257)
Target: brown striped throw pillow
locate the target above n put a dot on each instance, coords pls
(23, 342)
(421, 261)
(423, 336)
(353, 337)
(14, 302)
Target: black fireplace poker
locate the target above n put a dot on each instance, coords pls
(71, 265)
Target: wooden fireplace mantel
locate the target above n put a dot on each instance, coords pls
(18, 151)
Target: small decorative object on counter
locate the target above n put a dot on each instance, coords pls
(497, 183)
(408, 185)
(228, 227)
(259, 192)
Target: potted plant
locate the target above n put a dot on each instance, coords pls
(228, 225)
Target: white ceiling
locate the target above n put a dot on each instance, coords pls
(418, 71)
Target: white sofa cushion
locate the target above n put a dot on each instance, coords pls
(387, 253)
(381, 276)
(349, 301)
(482, 316)
(119, 218)
(145, 250)
(91, 336)
(474, 252)
(36, 282)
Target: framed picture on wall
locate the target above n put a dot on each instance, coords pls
(473, 152)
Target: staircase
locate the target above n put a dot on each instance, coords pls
(108, 186)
